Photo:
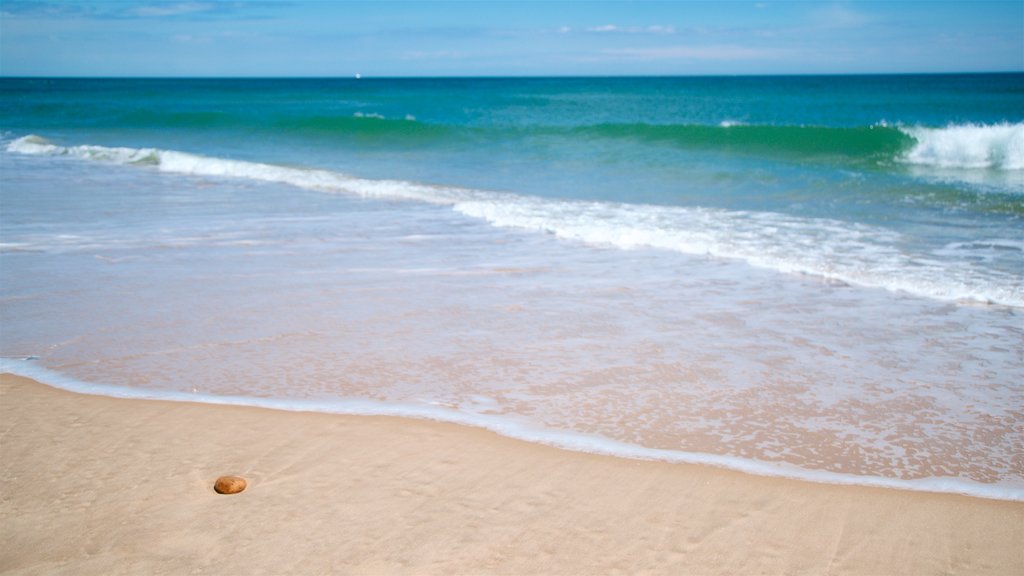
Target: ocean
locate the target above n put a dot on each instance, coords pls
(818, 277)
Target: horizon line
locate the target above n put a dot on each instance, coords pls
(361, 77)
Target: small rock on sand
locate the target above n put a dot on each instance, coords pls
(229, 485)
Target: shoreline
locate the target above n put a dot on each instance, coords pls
(96, 485)
(558, 439)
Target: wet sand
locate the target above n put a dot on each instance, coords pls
(95, 485)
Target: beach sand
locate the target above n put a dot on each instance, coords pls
(95, 485)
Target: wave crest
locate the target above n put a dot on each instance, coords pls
(968, 146)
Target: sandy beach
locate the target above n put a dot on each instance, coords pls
(95, 485)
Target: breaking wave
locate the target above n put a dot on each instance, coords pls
(836, 250)
(969, 146)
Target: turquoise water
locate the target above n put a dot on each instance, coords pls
(936, 159)
(812, 276)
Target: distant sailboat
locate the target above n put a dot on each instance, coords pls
(358, 75)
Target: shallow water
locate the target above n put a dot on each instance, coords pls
(846, 336)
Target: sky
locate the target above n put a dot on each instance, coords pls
(271, 38)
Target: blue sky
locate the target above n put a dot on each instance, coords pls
(479, 38)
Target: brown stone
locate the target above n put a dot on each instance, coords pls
(229, 485)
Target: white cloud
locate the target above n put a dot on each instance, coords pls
(433, 55)
(722, 52)
(606, 28)
(840, 16)
(661, 30)
(191, 39)
(159, 10)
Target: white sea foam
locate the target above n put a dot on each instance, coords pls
(515, 428)
(968, 146)
(844, 251)
(193, 164)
